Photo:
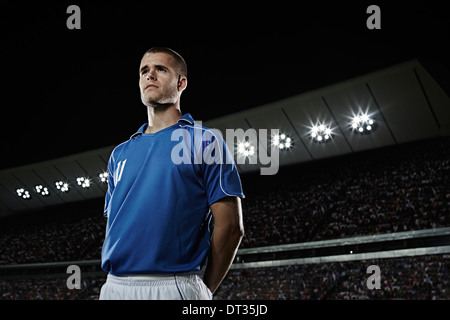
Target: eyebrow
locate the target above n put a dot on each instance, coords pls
(157, 66)
(142, 69)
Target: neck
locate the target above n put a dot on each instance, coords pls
(161, 117)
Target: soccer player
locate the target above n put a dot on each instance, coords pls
(174, 198)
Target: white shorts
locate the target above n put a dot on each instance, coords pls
(188, 286)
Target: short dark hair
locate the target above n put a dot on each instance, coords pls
(181, 64)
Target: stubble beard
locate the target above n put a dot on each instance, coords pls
(161, 102)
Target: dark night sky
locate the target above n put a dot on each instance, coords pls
(68, 91)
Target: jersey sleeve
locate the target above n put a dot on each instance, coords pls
(110, 185)
(220, 174)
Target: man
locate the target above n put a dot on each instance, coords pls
(158, 242)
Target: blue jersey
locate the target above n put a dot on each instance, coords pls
(160, 189)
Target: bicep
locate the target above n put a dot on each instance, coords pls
(228, 212)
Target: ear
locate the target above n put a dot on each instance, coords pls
(182, 83)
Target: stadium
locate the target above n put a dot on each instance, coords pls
(363, 179)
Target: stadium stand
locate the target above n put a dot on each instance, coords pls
(417, 278)
(392, 189)
(387, 190)
(425, 277)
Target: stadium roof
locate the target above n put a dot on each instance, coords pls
(282, 66)
(69, 91)
(404, 100)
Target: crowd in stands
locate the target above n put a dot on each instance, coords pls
(401, 188)
(382, 191)
(408, 278)
(54, 236)
(418, 278)
(50, 289)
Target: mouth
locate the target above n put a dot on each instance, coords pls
(150, 86)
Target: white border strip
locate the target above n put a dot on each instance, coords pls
(348, 241)
(345, 257)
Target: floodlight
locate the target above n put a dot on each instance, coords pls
(362, 124)
(62, 186)
(24, 194)
(40, 189)
(321, 133)
(103, 177)
(282, 141)
(84, 182)
(245, 149)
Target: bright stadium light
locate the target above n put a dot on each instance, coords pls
(62, 186)
(245, 149)
(321, 133)
(40, 189)
(282, 141)
(24, 194)
(103, 177)
(363, 123)
(84, 182)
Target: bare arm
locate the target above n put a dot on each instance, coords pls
(227, 235)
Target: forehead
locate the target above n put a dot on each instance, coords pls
(157, 58)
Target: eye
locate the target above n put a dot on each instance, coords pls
(161, 69)
(144, 72)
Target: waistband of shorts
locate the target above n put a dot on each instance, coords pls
(154, 279)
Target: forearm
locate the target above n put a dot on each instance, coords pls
(224, 244)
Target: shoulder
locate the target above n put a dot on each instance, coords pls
(196, 129)
(115, 154)
(119, 148)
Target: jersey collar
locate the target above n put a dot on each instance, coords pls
(185, 118)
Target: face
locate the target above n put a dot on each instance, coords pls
(159, 81)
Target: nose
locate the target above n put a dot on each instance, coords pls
(151, 75)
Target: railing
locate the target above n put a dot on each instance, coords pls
(399, 244)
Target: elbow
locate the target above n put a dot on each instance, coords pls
(241, 232)
(238, 232)
(234, 232)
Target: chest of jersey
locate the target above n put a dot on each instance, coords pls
(146, 160)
